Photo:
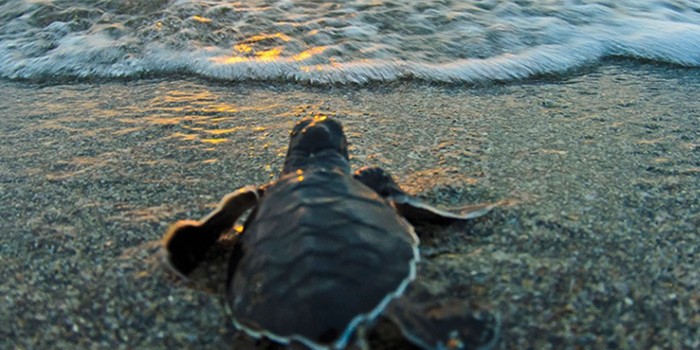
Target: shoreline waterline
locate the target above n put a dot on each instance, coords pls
(348, 42)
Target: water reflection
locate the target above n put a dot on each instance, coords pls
(215, 141)
(267, 48)
(201, 19)
(195, 115)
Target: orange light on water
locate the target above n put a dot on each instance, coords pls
(269, 55)
(214, 141)
(305, 55)
(261, 37)
(244, 48)
(201, 19)
(222, 131)
(262, 56)
(250, 51)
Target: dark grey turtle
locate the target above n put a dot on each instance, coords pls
(324, 252)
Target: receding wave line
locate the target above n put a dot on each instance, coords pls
(278, 57)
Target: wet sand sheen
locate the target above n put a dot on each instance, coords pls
(597, 246)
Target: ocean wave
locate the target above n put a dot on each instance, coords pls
(353, 42)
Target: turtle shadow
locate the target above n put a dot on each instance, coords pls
(211, 274)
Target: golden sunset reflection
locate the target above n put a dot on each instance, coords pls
(269, 55)
(243, 48)
(175, 96)
(197, 116)
(246, 51)
(222, 131)
(201, 19)
(261, 37)
(215, 141)
(305, 55)
(184, 137)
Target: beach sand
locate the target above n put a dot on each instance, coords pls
(595, 244)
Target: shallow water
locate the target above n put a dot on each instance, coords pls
(339, 41)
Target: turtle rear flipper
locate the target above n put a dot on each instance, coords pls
(410, 207)
(445, 324)
(416, 211)
(187, 241)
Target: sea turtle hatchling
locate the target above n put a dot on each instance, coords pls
(324, 252)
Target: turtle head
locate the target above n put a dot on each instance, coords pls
(317, 141)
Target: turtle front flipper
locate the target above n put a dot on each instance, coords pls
(445, 324)
(410, 207)
(187, 241)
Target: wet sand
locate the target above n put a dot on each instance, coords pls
(596, 244)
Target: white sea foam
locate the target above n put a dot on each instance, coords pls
(341, 42)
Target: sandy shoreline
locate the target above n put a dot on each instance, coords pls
(598, 247)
